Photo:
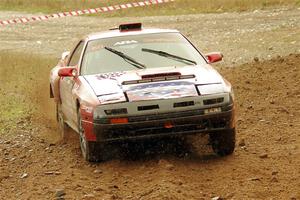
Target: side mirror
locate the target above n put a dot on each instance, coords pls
(214, 57)
(67, 72)
(65, 54)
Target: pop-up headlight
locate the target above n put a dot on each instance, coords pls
(211, 89)
(229, 89)
(112, 98)
(108, 99)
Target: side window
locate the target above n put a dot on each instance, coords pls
(76, 54)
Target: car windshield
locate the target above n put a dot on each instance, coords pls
(151, 50)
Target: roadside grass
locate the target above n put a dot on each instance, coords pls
(22, 81)
(175, 8)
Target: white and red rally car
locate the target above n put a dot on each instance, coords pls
(133, 83)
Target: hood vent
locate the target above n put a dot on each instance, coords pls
(213, 101)
(160, 75)
(158, 79)
(151, 107)
(184, 104)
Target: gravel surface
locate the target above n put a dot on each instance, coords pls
(265, 164)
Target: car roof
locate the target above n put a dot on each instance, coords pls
(118, 33)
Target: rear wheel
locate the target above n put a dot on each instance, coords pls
(223, 143)
(91, 151)
(62, 126)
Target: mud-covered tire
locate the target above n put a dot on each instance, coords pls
(223, 143)
(197, 144)
(62, 126)
(91, 151)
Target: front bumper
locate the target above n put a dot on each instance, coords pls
(166, 124)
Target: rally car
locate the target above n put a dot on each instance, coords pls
(135, 83)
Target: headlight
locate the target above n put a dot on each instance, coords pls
(99, 113)
(216, 93)
(112, 98)
(103, 115)
(210, 89)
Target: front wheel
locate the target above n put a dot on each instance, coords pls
(91, 151)
(223, 143)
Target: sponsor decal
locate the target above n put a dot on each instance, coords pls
(112, 75)
(125, 42)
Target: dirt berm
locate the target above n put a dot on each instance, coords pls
(265, 165)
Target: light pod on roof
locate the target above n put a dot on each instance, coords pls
(130, 27)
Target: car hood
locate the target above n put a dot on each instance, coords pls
(113, 83)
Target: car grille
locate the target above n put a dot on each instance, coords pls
(157, 125)
(172, 115)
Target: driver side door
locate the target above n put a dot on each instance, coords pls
(68, 101)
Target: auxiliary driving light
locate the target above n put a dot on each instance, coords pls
(119, 120)
(168, 125)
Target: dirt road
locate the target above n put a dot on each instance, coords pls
(265, 165)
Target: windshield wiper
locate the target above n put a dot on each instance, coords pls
(168, 55)
(127, 58)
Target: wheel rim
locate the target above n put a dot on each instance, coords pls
(61, 125)
(83, 143)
